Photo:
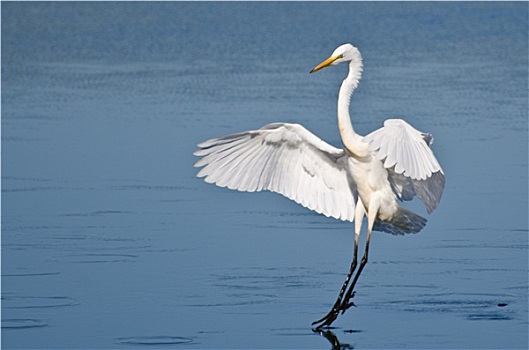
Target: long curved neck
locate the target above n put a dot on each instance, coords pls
(351, 140)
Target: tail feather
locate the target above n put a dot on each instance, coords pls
(404, 221)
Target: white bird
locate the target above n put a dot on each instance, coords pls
(365, 178)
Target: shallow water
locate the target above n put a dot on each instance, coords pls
(109, 240)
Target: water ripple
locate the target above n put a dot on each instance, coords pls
(472, 306)
(95, 258)
(36, 302)
(30, 274)
(22, 323)
(156, 340)
(492, 316)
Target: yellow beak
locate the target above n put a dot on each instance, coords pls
(325, 63)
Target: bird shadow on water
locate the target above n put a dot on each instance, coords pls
(332, 338)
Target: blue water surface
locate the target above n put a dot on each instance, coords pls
(110, 241)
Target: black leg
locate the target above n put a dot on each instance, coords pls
(347, 303)
(328, 319)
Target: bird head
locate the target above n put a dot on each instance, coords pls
(343, 53)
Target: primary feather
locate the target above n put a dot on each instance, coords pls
(283, 158)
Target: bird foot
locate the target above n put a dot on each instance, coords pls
(347, 303)
(326, 320)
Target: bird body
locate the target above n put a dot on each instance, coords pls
(365, 178)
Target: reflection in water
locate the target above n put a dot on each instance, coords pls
(333, 339)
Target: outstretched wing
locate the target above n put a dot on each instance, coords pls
(412, 167)
(283, 158)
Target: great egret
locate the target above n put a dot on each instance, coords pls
(364, 179)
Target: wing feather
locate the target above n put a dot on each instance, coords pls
(220, 171)
(283, 158)
(411, 164)
(224, 158)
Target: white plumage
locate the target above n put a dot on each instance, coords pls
(283, 158)
(290, 160)
(367, 177)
